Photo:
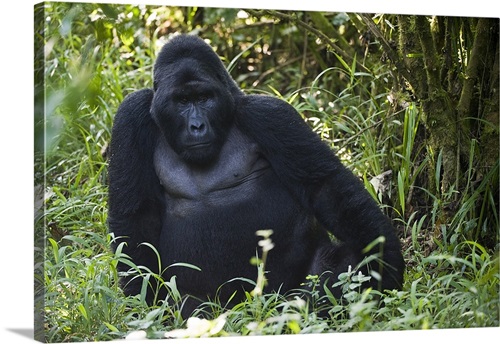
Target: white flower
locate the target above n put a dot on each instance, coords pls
(218, 324)
(266, 244)
(265, 233)
(298, 303)
(252, 327)
(136, 335)
(196, 328)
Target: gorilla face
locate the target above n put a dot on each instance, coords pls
(193, 110)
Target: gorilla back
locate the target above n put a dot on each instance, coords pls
(197, 167)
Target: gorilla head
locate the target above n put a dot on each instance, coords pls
(194, 99)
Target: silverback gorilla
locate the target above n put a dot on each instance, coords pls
(197, 167)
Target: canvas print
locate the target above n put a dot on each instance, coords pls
(216, 172)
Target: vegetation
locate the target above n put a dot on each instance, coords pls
(409, 103)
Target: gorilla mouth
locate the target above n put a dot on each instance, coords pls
(199, 145)
(200, 153)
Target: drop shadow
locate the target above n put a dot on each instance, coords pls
(25, 332)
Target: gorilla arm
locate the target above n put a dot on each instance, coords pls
(135, 199)
(312, 172)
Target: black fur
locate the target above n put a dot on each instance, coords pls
(259, 166)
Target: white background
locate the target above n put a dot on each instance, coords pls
(16, 162)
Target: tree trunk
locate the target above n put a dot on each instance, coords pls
(451, 66)
(459, 88)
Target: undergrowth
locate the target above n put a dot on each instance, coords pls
(83, 301)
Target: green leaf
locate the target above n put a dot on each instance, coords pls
(111, 327)
(83, 311)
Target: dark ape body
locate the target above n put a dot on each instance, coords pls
(197, 167)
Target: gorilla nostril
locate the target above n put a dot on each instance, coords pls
(197, 127)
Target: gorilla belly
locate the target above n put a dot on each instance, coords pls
(217, 234)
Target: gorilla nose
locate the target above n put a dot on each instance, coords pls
(197, 128)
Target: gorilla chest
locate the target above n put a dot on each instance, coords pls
(239, 176)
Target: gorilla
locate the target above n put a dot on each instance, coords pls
(197, 167)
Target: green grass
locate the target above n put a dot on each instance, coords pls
(452, 280)
(83, 301)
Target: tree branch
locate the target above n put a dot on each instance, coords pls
(314, 31)
(476, 59)
(429, 51)
(393, 56)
